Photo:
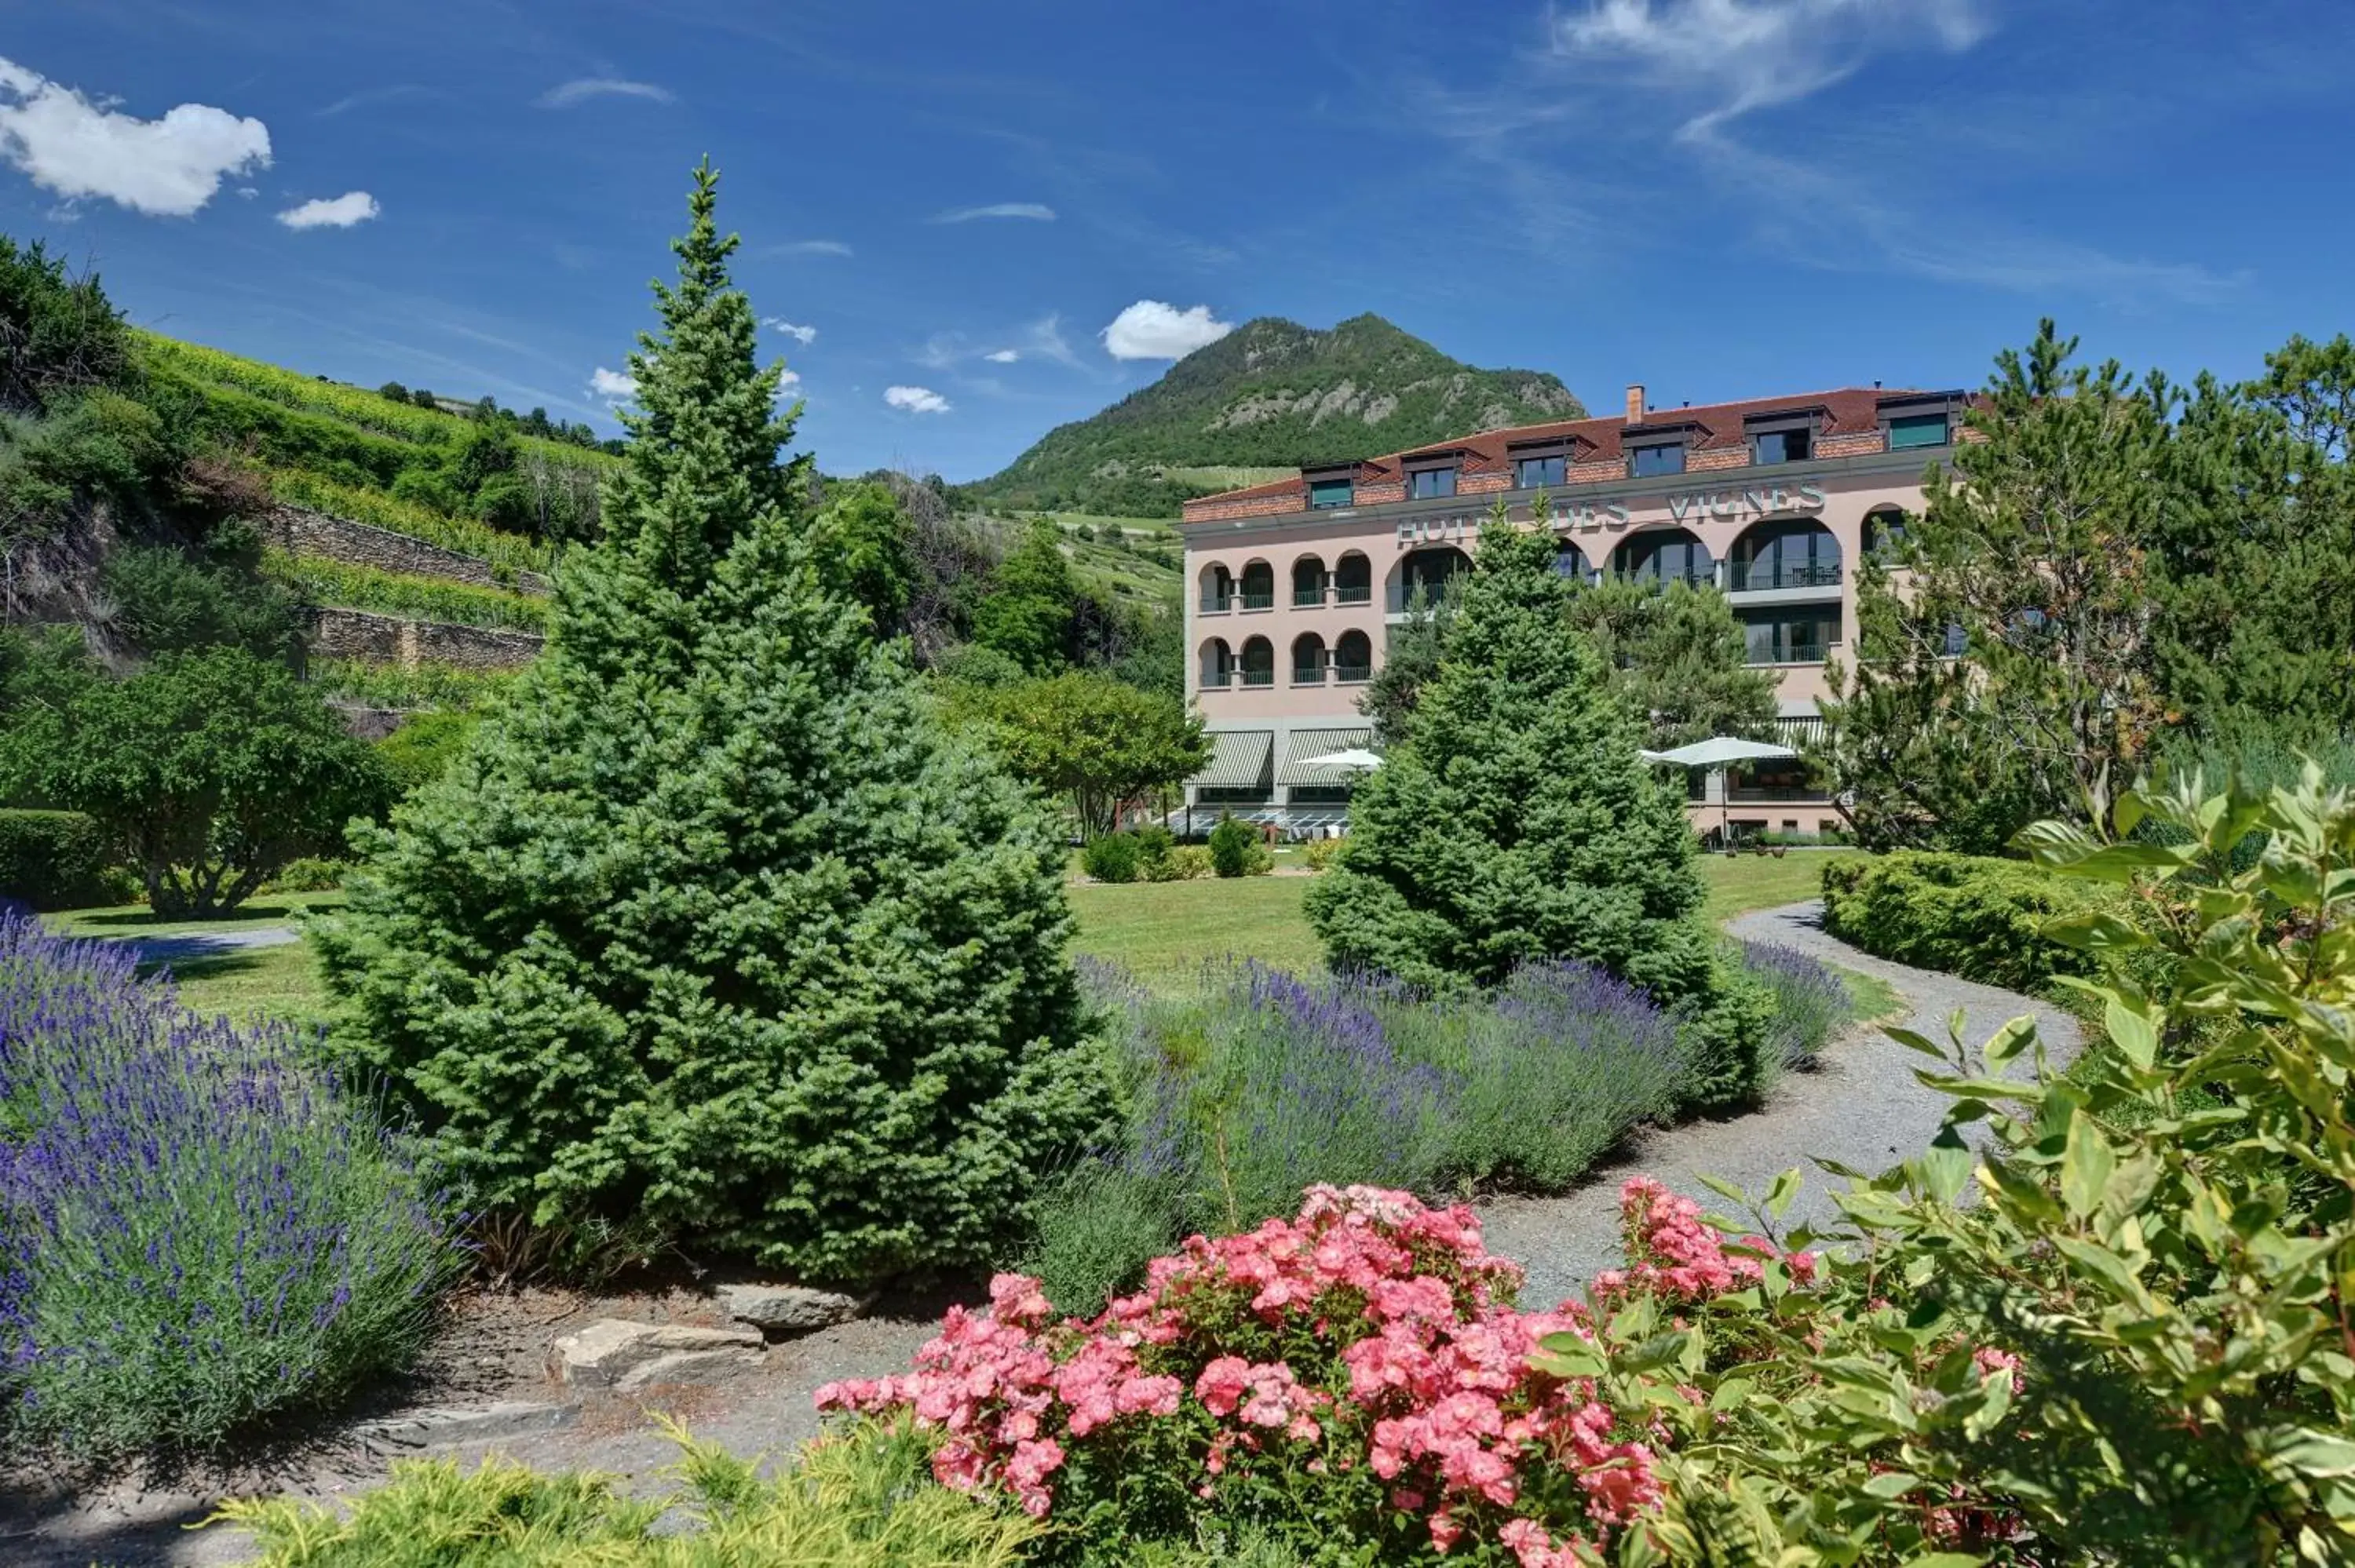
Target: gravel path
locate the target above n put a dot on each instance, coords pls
(1861, 1106)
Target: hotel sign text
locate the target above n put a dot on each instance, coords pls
(1744, 505)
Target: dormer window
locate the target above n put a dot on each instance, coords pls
(1787, 437)
(1427, 483)
(1918, 431)
(1331, 492)
(1655, 458)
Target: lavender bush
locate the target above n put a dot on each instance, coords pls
(1811, 1003)
(202, 1226)
(1255, 1084)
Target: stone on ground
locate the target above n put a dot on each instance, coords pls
(789, 1309)
(619, 1354)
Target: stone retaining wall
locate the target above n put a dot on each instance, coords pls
(309, 533)
(388, 639)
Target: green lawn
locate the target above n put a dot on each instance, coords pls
(1744, 883)
(1159, 931)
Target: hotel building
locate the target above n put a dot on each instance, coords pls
(1294, 587)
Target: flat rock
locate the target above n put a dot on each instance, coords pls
(790, 1309)
(441, 1426)
(615, 1352)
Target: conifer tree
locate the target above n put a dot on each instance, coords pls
(713, 925)
(1516, 821)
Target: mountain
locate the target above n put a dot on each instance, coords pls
(1270, 395)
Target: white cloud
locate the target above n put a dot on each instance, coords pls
(581, 89)
(805, 335)
(1742, 55)
(1003, 355)
(165, 168)
(337, 212)
(607, 383)
(1030, 209)
(916, 399)
(811, 248)
(1152, 330)
(789, 380)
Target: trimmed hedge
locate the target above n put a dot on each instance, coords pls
(1963, 915)
(60, 859)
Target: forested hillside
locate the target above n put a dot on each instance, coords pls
(1270, 395)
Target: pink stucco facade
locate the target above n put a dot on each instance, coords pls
(1782, 540)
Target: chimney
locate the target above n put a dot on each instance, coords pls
(1635, 402)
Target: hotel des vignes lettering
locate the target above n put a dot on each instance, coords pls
(1293, 587)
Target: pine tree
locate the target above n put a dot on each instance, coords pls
(713, 927)
(1515, 820)
(1675, 656)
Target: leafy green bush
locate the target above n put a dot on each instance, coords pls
(1237, 850)
(175, 601)
(60, 859)
(856, 1499)
(424, 746)
(210, 770)
(2102, 1318)
(311, 874)
(1183, 862)
(320, 581)
(1110, 857)
(1323, 854)
(715, 924)
(58, 334)
(421, 685)
(1961, 915)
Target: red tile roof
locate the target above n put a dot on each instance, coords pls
(1844, 410)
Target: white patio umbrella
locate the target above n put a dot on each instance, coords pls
(1716, 752)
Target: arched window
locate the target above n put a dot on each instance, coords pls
(1570, 561)
(1307, 583)
(1884, 533)
(1259, 663)
(1793, 553)
(1426, 574)
(1218, 663)
(1308, 660)
(1663, 555)
(1353, 658)
(1217, 589)
(1353, 579)
(1259, 585)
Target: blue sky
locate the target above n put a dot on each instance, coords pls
(1721, 198)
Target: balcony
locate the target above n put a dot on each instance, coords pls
(1308, 599)
(1218, 603)
(1362, 594)
(1750, 576)
(1217, 680)
(1258, 677)
(1776, 794)
(1257, 600)
(1787, 651)
(1353, 674)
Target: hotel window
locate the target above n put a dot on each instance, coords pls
(1789, 637)
(1782, 446)
(1645, 462)
(1917, 431)
(1424, 484)
(1330, 492)
(1539, 473)
(1353, 658)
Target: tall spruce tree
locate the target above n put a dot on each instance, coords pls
(1515, 821)
(1675, 656)
(714, 926)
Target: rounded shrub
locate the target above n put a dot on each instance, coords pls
(1236, 850)
(1112, 857)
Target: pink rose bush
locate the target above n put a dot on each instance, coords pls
(1370, 1344)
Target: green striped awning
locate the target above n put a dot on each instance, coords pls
(1239, 759)
(1799, 730)
(1307, 743)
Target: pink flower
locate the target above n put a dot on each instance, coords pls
(1220, 1386)
(1444, 1532)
